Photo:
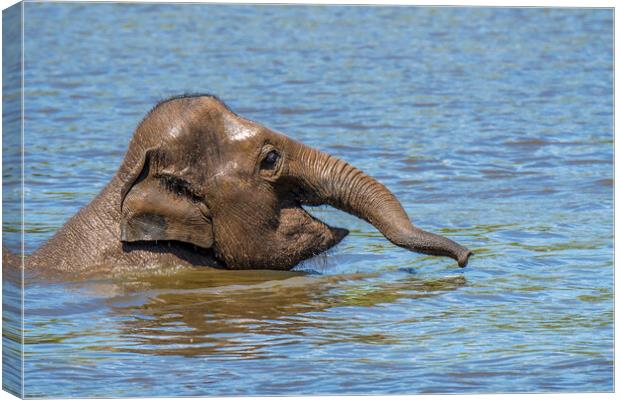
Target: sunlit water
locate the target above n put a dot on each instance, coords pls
(492, 126)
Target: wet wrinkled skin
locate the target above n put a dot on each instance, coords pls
(202, 186)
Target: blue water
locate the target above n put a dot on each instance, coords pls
(492, 126)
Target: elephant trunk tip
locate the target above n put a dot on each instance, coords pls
(463, 257)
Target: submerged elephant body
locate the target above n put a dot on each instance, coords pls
(200, 185)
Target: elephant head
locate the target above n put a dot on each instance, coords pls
(198, 173)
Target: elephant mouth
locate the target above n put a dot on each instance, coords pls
(303, 236)
(297, 236)
(339, 234)
(331, 239)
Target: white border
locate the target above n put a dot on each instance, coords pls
(484, 3)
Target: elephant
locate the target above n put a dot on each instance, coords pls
(200, 185)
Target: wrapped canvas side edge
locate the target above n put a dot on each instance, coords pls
(12, 200)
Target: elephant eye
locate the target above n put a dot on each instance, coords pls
(270, 160)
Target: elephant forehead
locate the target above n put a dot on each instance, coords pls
(176, 130)
(238, 130)
(225, 169)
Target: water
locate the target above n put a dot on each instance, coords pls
(492, 126)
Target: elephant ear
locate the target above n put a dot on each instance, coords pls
(159, 206)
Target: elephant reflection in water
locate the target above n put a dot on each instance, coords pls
(234, 304)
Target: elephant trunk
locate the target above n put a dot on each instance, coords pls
(325, 179)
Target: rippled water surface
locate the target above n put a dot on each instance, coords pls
(492, 126)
